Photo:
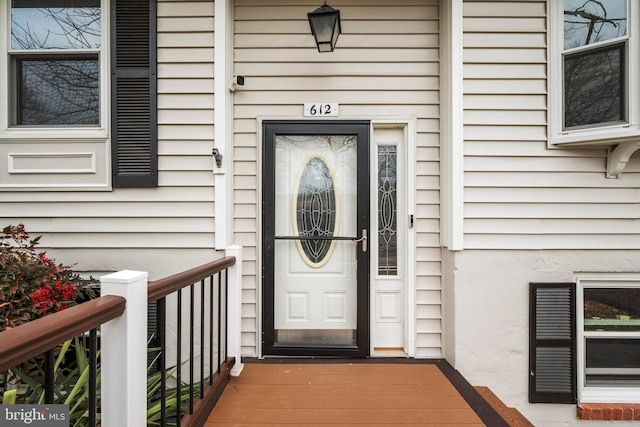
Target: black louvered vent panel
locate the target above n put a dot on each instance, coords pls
(553, 314)
(553, 370)
(132, 33)
(134, 148)
(552, 352)
(133, 119)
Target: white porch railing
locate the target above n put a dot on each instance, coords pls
(124, 349)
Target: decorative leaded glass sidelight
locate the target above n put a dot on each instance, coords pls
(316, 209)
(387, 211)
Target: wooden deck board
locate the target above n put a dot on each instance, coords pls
(342, 401)
(341, 395)
(336, 425)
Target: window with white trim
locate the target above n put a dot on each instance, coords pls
(608, 341)
(78, 94)
(594, 52)
(54, 63)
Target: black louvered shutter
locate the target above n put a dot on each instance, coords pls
(133, 93)
(552, 343)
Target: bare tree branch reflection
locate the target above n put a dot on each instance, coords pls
(56, 84)
(594, 78)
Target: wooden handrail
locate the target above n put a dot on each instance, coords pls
(38, 336)
(163, 287)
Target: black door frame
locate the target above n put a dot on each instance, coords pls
(270, 129)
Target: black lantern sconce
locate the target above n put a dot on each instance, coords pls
(325, 27)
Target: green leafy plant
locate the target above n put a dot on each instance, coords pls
(72, 385)
(71, 382)
(9, 397)
(32, 284)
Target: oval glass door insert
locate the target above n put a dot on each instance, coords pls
(315, 211)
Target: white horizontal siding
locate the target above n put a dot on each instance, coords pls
(386, 64)
(162, 230)
(518, 193)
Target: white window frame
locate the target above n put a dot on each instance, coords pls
(605, 135)
(593, 394)
(59, 142)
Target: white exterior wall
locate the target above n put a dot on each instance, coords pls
(492, 318)
(531, 214)
(385, 66)
(162, 230)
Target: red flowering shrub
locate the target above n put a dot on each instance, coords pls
(31, 284)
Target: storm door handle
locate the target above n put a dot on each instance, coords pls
(362, 239)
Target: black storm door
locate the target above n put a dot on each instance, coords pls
(315, 249)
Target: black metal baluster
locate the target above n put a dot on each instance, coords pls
(219, 321)
(49, 375)
(226, 315)
(211, 282)
(191, 333)
(202, 346)
(179, 361)
(161, 313)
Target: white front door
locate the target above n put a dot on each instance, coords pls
(315, 220)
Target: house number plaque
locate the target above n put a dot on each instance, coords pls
(317, 109)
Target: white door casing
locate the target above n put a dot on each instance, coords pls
(391, 306)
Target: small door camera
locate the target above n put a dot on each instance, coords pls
(235, 82)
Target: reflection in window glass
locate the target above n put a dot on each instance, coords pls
(612, 347)
(612, 362)
(55, 24)
(55, 62)
(594, 87)
(592, 21)
(387, 211)
(58, 92)
(612, 309)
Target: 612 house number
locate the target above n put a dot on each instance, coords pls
(320, 109)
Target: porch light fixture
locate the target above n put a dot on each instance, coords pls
(325, 27)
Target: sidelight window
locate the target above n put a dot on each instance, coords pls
(387, 210)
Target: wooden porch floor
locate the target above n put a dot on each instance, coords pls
(344, 394)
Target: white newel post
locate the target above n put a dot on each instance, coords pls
(123, 354)
(234, 317)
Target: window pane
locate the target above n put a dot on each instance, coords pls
(613, 362)
(593, 87)
(591, 21)
(612, 309)
(58, 91)
(56, 24)
(387, 211)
